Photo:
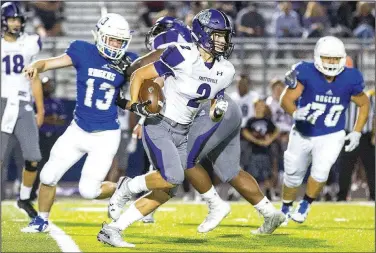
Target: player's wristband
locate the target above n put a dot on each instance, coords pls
(142, 120)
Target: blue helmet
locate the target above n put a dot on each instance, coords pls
(164, 24)
(205, 24)
(11, 10)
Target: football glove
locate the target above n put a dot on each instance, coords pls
(220, 107)
(301, 113)
(354, 138)
(140, 109)
(291, 79)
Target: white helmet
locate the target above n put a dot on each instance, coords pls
(330, 46)
(112, 25)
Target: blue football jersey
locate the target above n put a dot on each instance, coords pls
(97, 88)
(329, 101)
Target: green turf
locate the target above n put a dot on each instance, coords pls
(175, 230)
(12, 240)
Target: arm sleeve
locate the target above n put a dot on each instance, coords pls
(170, 60)
(358, 85)
(220, 94)
(74, 51)
(300, 71)
(163, 40)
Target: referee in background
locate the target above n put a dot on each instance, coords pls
(365, 151)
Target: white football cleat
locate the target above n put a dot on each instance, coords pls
(301, 212)
(216, 214)
(271, 223)
(149, 218)
(120, 197)
(112, 236)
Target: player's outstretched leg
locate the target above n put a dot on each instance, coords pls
(128, 187)
(247, 186)
(218, 209)
(111, 233)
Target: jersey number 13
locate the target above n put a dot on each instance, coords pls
(101, 104)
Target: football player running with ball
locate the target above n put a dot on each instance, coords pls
(317, 97)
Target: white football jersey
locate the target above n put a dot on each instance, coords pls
(279, 117)
(14, 57)
(246, 104)
(188, 82)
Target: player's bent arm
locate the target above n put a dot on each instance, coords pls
(362, 101)
(61, 61)
(138, 77)
(289, 96)
(144, 60)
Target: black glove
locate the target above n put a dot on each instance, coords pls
(121, 65)
(139, 109)
(121, 101)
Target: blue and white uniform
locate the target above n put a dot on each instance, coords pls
(319, 139)
(95, 129)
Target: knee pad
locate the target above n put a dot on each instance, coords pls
(89, 188)
(29, 166)
(320, 173)
(292, 181)
(47, 177)
(289, 163)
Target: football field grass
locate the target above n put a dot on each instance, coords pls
(330, 227)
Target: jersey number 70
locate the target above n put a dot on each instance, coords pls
(331, 119)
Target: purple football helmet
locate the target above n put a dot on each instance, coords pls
(208, 22)
(164, 24)
(11, 10)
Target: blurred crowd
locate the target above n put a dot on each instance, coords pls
(290, 19)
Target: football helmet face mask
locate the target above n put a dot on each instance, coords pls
(16, 25)
(212, 31)
(330, 56)
(112, 36)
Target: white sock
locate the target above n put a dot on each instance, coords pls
(211, 195)
(265, 207)
(138, 184)
(130, 216)
(44, 215)
(25, 192)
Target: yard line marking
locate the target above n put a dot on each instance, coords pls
(64, 241)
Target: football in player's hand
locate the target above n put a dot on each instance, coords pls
(150, 90)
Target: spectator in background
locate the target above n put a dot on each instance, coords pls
(344, 14)
(51, 15)
(260, 132)
(169, 11)
(315, 21)
(363, 24)
(250, 23)
(53, 126)
(196, 7)
(148, 7)
(285, 22)
(284, 122)
(365, 151)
